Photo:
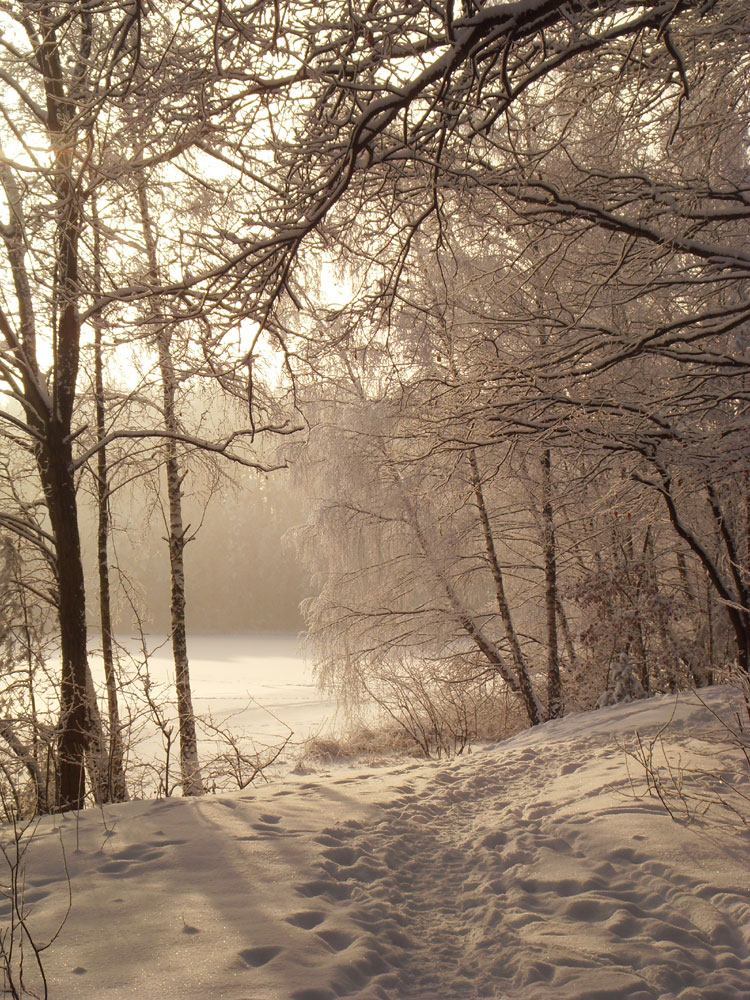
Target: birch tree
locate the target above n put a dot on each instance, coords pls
(192, 783)
(85, 85)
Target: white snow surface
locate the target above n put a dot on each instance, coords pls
(525, 870)
(263, 683)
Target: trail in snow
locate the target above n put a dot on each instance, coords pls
(525, 871)
(479, 889)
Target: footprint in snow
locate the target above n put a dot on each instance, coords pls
(267, 831)
(130, 861)
(306, 919)
(326, 840)
(342, 855)
(337, 940)
(328, 890)
(256, 957)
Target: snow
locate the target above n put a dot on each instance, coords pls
(262, 683)
(259, 687)
(527, 870)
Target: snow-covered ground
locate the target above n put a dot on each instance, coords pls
(524, 871)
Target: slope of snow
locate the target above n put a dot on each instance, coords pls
(524, 871)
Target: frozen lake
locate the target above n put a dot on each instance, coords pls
(264, 681)
(259, 687)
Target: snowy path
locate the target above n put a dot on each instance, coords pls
(476, 888)
(525, 871)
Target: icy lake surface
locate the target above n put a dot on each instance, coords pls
(262, 686)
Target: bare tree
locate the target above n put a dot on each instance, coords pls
(192, 783)
(613, 131)
(616, 190)
(117, 787)
(84, 85)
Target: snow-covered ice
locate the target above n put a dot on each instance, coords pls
(262, 683)
(524, 871)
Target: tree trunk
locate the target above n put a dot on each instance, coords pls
(710, 630)
(531, 704)
(564, 626)
(555, 702)
(192, 782)
(115, 777)
(28, 758)
(56, 470)
(736, 604)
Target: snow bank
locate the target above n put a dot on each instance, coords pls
(524, 871)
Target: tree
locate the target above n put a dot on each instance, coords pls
(618, 187)
(616, 128)
(415, 100)
(96, 93)
(192, 783)
(116, 783)
(409, 557)
(23, 724)
(47, 406)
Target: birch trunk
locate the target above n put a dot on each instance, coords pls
(564, 626)
(533, 709)
(192, 781)
(486, 646)
(115, 776)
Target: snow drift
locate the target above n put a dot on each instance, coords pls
(527, 870)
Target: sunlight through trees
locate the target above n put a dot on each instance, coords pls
(523, 434)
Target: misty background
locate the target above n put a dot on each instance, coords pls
(242, 574)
